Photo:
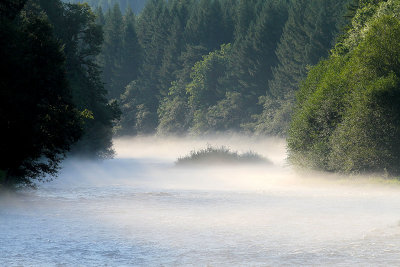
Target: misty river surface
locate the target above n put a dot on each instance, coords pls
(140, 210)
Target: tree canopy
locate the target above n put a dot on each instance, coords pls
(38, 118)
(347, 114)
(52, 97)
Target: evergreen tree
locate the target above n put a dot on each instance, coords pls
(228, 8)
(141, 99)
(131, 53)
(308, 35)
(175, 44)
(205, 26)
(100, 19)
(244, 17)
(254, 55)
(113, 52)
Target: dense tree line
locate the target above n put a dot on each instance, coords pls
(121, 51)
(199, 66)
(52, 97)
(135, 5)
(347, 116)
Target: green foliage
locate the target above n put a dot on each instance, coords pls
(141, 98)
(121, 55)
(178, 80)
(218, 156)
(175, 113)
(347, 115)
(39, 121)
(254, 51)
(175, 119)
(174, 36)
(52, 97)
(308, 35)
(213, 99)
(82, 41)
(206, 87)
(137, 108)
(113, 52)
(204, 26)
(275, 117)
(226, 115)
(124, 5)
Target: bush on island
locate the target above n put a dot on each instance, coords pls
(220, 155)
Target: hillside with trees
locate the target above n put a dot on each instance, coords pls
(215, 65)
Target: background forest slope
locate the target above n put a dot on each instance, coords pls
(197, 67)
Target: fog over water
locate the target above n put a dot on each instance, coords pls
(140, 210)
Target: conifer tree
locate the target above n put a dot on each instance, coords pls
(308, 35)
(141, 98)
(205, 26)
(254, 55)
(132, 52)
(113, 52)
(245, 14)
(175, 44)
(228, 8)
(100, 19)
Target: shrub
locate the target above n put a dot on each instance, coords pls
(220, 155)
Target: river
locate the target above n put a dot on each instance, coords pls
(138, 209)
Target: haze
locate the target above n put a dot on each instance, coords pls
(140, 210)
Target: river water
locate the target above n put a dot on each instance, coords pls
(140, 210)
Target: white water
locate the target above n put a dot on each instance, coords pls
(138, 210)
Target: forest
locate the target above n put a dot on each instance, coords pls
(200, 67)
(323, 74)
